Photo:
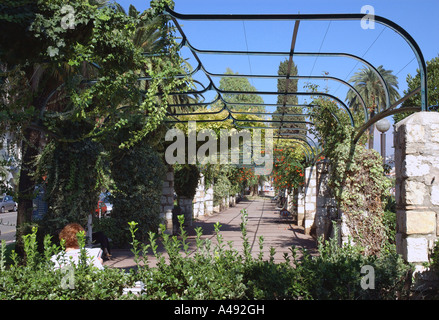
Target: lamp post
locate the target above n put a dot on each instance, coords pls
(383, 125)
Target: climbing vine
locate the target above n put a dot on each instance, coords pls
(72, 175)
(137, 180)
(78, 87)
(357, 177)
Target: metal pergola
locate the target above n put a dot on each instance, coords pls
(302, 139)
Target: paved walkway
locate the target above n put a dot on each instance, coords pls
(263, 220)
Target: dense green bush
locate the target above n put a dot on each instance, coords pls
(336, 273)
(186, 178)
(137, 174)
(72, 171)
(207, 272)
(113, 230)
(35, 278)
(434, 257)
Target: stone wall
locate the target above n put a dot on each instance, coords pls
(199, 199)
(208, 200)
(416, 143)
(167, 199)
(301, 207)
(203, 200)
(309, 202)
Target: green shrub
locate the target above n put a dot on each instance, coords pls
(73, 170)
(205, 272)
(272, 281)
(336, 273)
(113, 230)
(138, 180)
(186, 178)
(34, 278)
(434, 257)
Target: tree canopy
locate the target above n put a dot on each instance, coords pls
(286, 102)
(241, 100)
(415, 82)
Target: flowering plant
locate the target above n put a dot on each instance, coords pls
(247, 176)
(288, 171)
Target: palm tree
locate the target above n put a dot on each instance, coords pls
(368, 84)
(152, 38)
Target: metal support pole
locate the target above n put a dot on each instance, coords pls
(383, 147)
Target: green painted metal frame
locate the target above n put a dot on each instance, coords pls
(387, 110)
(316, 17)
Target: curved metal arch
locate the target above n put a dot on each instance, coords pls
(281, 114)
(380, 116)
(230, 116)
(274, 121)
(267, 114)
(299, 93)
(197, 113)
(298, 135)
(286, 135)
(306, 144)
(387, 23)
(284, 53)
(363, 104)
(202, 120)
(219, 92)
(390, 111)
(343, 16)
(180, 76)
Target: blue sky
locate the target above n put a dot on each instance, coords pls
(380, 46)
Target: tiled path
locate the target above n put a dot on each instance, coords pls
(263, 220)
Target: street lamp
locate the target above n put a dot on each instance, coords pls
(383, 125)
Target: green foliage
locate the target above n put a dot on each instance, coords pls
(186, 178)
(359, 186)
(137, 175)
(35, 278)
(434, 257)
(112, 229)
(240, 84)
(208, 272)
(80, 86)
(357, 176)
(389, 222)
(336, 273)
(415, 82)
(224, 178)
(72, 173)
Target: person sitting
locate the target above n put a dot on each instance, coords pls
(101, 238)
(72, 251)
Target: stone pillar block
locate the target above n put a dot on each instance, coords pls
(416, 141)
(412, 222)
(416, 249)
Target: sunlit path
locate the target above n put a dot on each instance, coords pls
(263, 221)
